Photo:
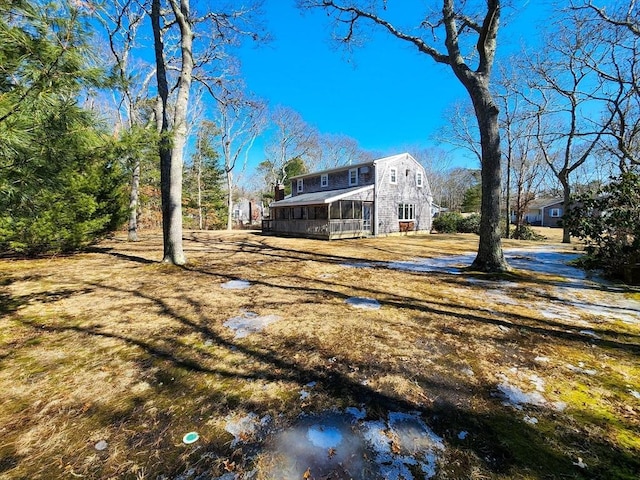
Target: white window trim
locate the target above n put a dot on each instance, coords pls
(393, 176)
(412, 210)
(557, 211)
(419, 179)
(300, 187)
(355, 182)
(324, 180)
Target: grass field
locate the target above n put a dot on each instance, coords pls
(108, 358)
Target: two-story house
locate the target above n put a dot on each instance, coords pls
(385, 196)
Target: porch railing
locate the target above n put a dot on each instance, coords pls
(327, 229)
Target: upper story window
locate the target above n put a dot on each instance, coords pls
(556, 212)
(419, 180)
(353, 177)
(300, 187)
(393, 176)
(324, 180)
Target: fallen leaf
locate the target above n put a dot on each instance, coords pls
(395, 448)
(331, 452)
(229, 466)
(307, 474)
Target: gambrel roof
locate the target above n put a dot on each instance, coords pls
(358, 165)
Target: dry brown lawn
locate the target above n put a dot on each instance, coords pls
(112, 349)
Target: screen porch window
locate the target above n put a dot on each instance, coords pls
(353, 177)
(324, 180)
(406, 212)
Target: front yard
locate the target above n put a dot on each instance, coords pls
(293, 358)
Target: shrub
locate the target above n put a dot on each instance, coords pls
(525, 232)
(609, 224)
(469, 224)
(454, 222)
(447, 222)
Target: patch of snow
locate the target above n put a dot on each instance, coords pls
(245, 427)
(304, 395)
(580, 463)
(541, 359)
(364, 303)
(227, 476)
(559, 406)
(538, 382)
(403, 441)
(462, 435)
(517, 398)
(635, 394)
(358, 264)
(324, 437)
(236, 285)
(590, 333)
(544, 260)
(468, 372)
(500, 297)
(357, 413)
(580, 369)
(101, 445)
(334, 443)
(250, 322)
(530, 420)
(452, 264)
(324, 444)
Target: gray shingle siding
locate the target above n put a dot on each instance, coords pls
(338, 180)
(386, 196)
(389, 196)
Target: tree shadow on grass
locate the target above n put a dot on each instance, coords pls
(500, 441)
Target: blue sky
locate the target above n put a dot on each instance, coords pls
(385, 94)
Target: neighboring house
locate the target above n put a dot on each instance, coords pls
(545, 212)
(246, 212)
(437, 210)
(380, 197)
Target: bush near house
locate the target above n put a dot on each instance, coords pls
(454, 222)
(609, 224)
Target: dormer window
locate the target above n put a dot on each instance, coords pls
(300, 185)
(393, 176)
(353, 177)
(419, 180)
(324, 180)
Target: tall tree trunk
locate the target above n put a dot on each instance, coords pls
(507, 217)
(170, 149)
(133, 203)
(199, 185)
(229, 200)
(566, 194)
(490, 257)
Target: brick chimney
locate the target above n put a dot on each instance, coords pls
(279, 193)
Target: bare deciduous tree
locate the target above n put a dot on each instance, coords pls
(122, 21)
(240, 120)
(568, 99)
(338, 150)
(292, 138)
(203, 52)
(474, 30)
